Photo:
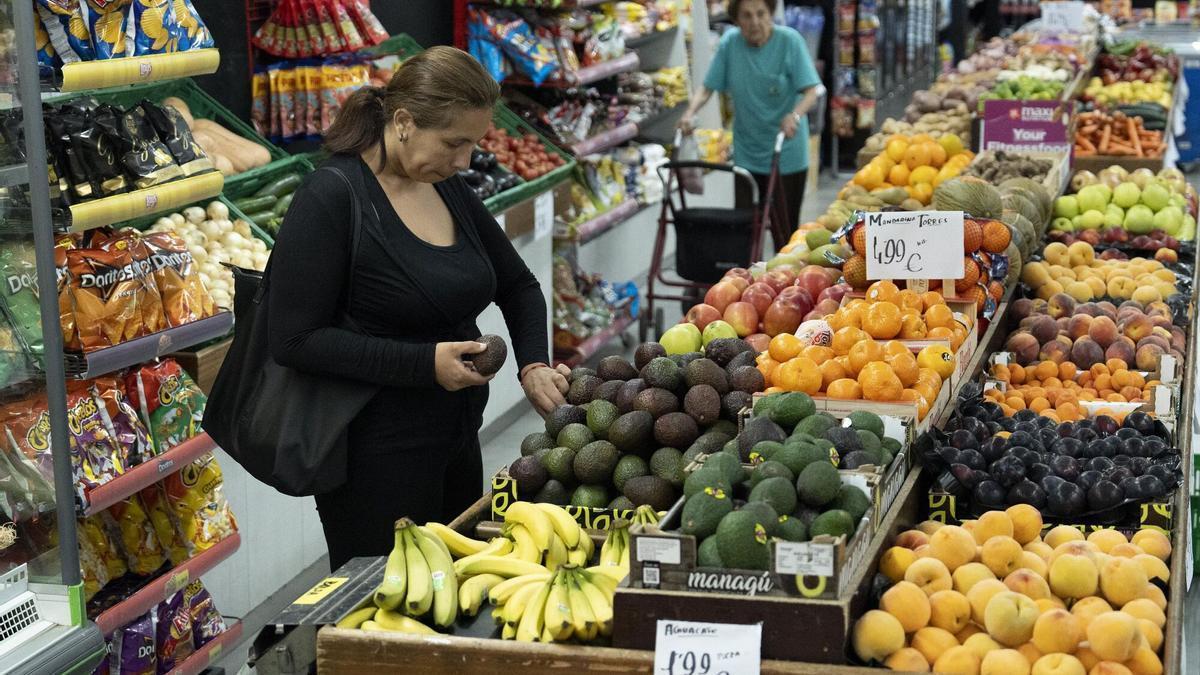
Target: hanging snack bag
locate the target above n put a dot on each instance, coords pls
(163, 522)
(532, 57)
(95, 147)
(59, 126)
(352, 40)
(146, 159)
(66, 309)
(290, 46)
(151, 305)
(46, 56)
(274, 131)
(169, 399)
(269, 36)
(197, 498)
(15, 365)
(177, 278)
(368, 25)
(27, 490)
(260, 101)
(189, 28)
(108, 24)
(133, 649)
(174, 632)
(66, 29)
(329, 32)
(174, 132)
(126, 427)
(18, 273)
(207, 622)
(153, 23)
(143, 552)
(286, 83)
(309, 83)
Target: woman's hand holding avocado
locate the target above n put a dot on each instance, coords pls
(546, 387)
(451, 371)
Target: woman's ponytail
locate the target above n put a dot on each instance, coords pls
(359, 124)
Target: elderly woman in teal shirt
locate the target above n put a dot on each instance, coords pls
(768, 73)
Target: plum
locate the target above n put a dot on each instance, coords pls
(1020, 438)
(994, 412)
(993, 427)
(1140, 422)
(1071, 447)
(1133, 447)
(1154, 446)
(1028, 426)
(993, 448)
(1105, 494)
(1106, 426)
(1086, 435)
(1066, 429)
(972, 458)
(1048, 437)
(1126, 433)
(1027, 456)
(1027, 492)
(966, 476)
(1132, 488)
(963, 439)
(1164, 474)
(1101, 464)
(1007, 471)
(1139, 465)
(1066, 468)
(989, 493)
(1025, 415)
(1008, 424)
(1089, 478)
(1068, 499)
(1039, 471)
(948, 454)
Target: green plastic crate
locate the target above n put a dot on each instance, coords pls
(509, 121)
(246, 188)
(400, 45)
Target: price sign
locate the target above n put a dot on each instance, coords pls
(1065, 16)
(543, 215)
(695, 648)
(915, 245)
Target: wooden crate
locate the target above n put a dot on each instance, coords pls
(203, 364)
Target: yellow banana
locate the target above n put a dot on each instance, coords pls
(504, 566)
(356, 618)
(556, 556)
(436, 540)
(391, 591)
(646, 515)
(498, 615)
(606, 576)
(460, 545)
(547, 635)
(474, 591)
(372, 626)
(581, 608)
(533, 618)
(606, 549)
(441, 576)
(625, 556)
(600, 602)
(577, 557)
(564, 525)
(558, 620)
(498, 546)
(524, 547)
(389, 620)
(534, 519)
(517, 605)
(587, 545)
(420, 586)
(508, 632)
(501, 592)
(610, 553)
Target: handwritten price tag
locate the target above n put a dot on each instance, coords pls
(915, 245)
(695, 648)
(543, 215)
(1064, 16)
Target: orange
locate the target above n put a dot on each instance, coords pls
(939, 316)
(879, 383)
(895, 148)
(931, 298)
(916, 397)
(898, 175)
(939, 358)
(818, 353)
(905, 367)
(785, 346)
(922, 192)
(799, 374)
(928, 391)
(1015, 402)
(893, 347)
(940, 333)
(1039, 404)
(913, 328)
(767, 367)
(882, 291)
(864, 352)
(959, 336)
(918, 155)
(772, 390)
(1067, 371)
(937, 155)
(844, 338)
(882, 321)
(844, 388)
(832, 370)
(1018, 373)
(909, 299)
(853, 315)
(1046, 369)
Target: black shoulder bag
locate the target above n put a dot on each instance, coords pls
(287, 428)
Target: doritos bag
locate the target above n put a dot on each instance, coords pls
(112, 293)
(143, 552)
(133, 648)
(177, 278)
(207, 622)
(174, 632)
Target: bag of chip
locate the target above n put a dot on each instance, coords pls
(94, 147)
(177, 278)
(269, 36)
(174, 132)
(207, 622)
(352, 39)
(76, 181)
(153, 22)
(197, 498)
(333, 40)
(484, 48)
(308, 83)
(18, 267)
(26, 491)
(260, 101)
(103, 667)
(145, 158)
(285, 86)
(133, 650)
(66, 307)
(27, 451)
(333, 72)
(108, 24)
(290, 46)
(99, 562)
(174, 632)
(126, 426)
(532, 57)
(108, 289)
(63, 20)
(189, 29)
(46, 56)
(143, 552)
(365, 21)
(314, 44)
(169, 400)
(163, 522)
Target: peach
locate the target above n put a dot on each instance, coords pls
(1152, 632)
(1121, 287)
(1057, 350)
(981, 594)
(1126, 551)
(1074, 576)
(907, 660)
(1058, 664)
(1041, 549)
(1086, 353)
(1060, 304)
(1123, 348)
(982, 644)
(1026, 522)
(1109, 668)
(1146, 294)
(1087, 657)
(930, 526)
(1105, 540)
(1153, 542)
(1155, 568)
(1155, 594)
(1024, 346)
(1145, 662)
(958, 660)
(1009, 618)
(1001, 555)
(1103, 330)
(949, 610)
(1075, 547)
(1097, 284)
(1047, 604)
(907, 603)
(932, 642)
(877, 635)
(1080, 253)
(1057, 631)
(895, 562)
(970, 574)
(1033, 562)
(911, 539)
(1148, 355)
(1030, 652)
(929, 574)
(965, 634)
(1143, 608)
(993, 524)
(1122, 580)
(1080, 291)
(1089, 608)
(1027, 583)
(1036, 274)
(1042, 327)
(922, 551)
(953, 545)
(1062, 534)
(1138, 327)
(1055, 253)
(1114, 636)
(1004, 662)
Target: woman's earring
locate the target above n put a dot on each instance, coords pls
(403, 136)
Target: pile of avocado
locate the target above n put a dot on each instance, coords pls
(628, 430)
(790, 420)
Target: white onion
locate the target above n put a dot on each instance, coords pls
(217, 210)
(194, 214)
(177, 218)
(211, 228)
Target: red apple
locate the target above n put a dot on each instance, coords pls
(780, 278)
(797, 296)
(721, 294)
(701, 315)
(740, 272)
(826, 307)
(764, 286)
(784, 316)
(743, 317)
(835, 292)
(815, 315)
(759, 295)
(759, 341)
(740, 283)
(814, 280)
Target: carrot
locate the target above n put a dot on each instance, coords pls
(1085, 143)
(1089, 129)
(1133, 135)
(1105, 136)
(1084, 153)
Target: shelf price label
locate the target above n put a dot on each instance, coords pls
(697, 648)
(1064, 16)
(915, 245)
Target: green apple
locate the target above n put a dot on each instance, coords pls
(1114, 216)
(1062, 224)
(1126, 195)
(1091, 219)
(682, 338)
(717, 329)
(1169, 220)
(1187, 231)
(1155, 196)
(1093, 198)
(1177, 199)
(1139, 219)
(1066, 206)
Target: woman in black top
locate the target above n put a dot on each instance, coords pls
(430, 258)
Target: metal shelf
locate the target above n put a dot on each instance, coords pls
(607, 221)
(588, 75)
(648, 37)
(584, 350)
(85, 75)
(605, 140)
(158, 199)
(148, 473)
(146, 348)
(209, 653)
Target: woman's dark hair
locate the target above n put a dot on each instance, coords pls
(735, 6)
(431, 86)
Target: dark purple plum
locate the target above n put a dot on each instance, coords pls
(977, 427)
(1164, 474)
(994, 412)
(1133, 447)
(1007, 471)
(1104, 495)
(1051, 483)
(1038, 471)
(1085, 423)
(993, 448)
(1046, 423)
(1071, 447)
(1126, 433)
(1140, 422)
(973, 410)
(972, 458)
(1139, 465)
(1025, 416)
(947, 454)
(1106, 426)
(1030, 428)
(1154, 446)
(1027, 492)
(1086, 435)
(993, 427)
(1008, 424)
(1048, 437)
(966, 476)
(1119, 474)
(1028, 457)
(1089, 478)
(1023, 438)
(1067, 500)
(1132, 488)
(1066, 429)
(1122, 460)
(1150, 486)
(989, 493)
(1066, 468)
(1101, 464)
(963, 439)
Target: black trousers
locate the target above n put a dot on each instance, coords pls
(792, 185)
(386, 483)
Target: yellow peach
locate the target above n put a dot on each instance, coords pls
(1153, 542)
(1026, 522)
(1004, 662)
(908, 604)
(877, 635)
(949, 610)
(970, 574)
(1009, 618)
(1057, 631)
(907, 660)
(953, 545)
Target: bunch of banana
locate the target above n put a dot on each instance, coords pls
(418, 580)
(555, 606)
(546, 534)
(645, 515)
(615, 551)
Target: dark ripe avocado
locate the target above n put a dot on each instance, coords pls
(742, 541)
(629, 466)
(777, 491)
(607, 391)
(856, 459)
(662, 373)
(675, 430)
(707, 554)
(594, 463)
(633, 432)
(647, 352)
(628, 392)
(758, 429)
(733, 403)
(703, 403)
(727, 427)
(791, 529)
(852, 500)
(703, 511)
(529, 474)
(705, 371)
(553, 492)
(559, 463)
(818, 484)
(583, 389)
(562, 416)
(657, 402)
(590, 496)
(708, 443)
(722, 350)
(652, 490)
(743, 359)
(491, 359)
(870, 442)
(706, 477)
(615, 368)
(805, 514)
(536, 441)
(667, 464)
(748, 379)
(621, 503)
(834, 523)
(845, 440)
